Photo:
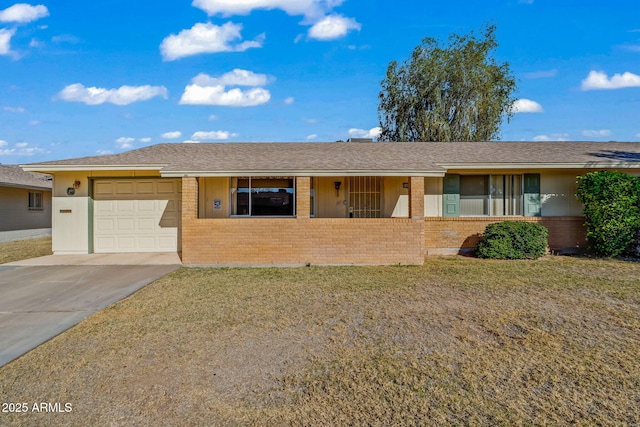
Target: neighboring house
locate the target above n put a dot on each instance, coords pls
(321, 203)
(25, 199)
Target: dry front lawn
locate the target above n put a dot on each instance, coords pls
(456, 342)
(24, 249)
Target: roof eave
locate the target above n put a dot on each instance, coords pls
(528, 165)
(25, 186)
(82, 168)
(295, 173)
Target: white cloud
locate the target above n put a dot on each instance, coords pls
(33, 122)
(206, 38)
(216, 95)
(171, 135)
(14, 109)
(212, 135)
(333, 27)
(552, 137)
(603, 133)
(326, 26)
(312, 136)
(5, 40)
(363, 133)
(309, 8)
(22, 13)
(122, 96)
(631, 47)
(36, 43)
(290, 100)
(525, 105)
(207, 90)
(124, 142)
(599, 80)
(212, 117)
(638, 135)
(19, 149)
(145, 140)
(104, 152)
(237, 77)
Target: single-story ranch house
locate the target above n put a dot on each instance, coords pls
(25, 199)
(320, 203)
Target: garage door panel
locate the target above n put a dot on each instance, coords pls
(106, 244)
(124, 187)
(166, 242)
(147, 206)
(125, 225)
(146, 224)
(105, 224)
(145, 187)
(145, 220)
(104, 207)
(125, 242)
(125, 206)
(168, 187)
(147, 243)
(170, 207)
(104, 188)
(168, 222)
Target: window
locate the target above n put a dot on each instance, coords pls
(495, 195)
(365, 197)
(35, 201)
(506, 195)
(262, 196)
(474, 195)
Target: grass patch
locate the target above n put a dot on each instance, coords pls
(24, 249)
(457, 341)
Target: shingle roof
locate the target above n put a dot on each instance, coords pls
(14, 176)
(361, 156)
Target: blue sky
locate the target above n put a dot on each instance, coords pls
(80, 78)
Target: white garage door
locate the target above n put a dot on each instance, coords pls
(136, 215)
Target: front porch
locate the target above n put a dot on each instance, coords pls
(300, 239)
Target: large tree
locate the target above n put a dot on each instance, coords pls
(453, 93)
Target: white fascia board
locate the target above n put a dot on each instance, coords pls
(24, 186)
(235, 173)
(589, 165)
(88, 168)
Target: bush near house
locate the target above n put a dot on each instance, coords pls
(611, 210)
(513, 240)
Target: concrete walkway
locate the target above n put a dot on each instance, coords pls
(10, 236)
(42, 297)
(102, 259)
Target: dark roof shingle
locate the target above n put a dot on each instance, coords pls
(14, 176)
(373, 156)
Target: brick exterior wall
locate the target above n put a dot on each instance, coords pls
(445, 236)
(416, 197)
(296, 241)
(342, 241)
(303, 199)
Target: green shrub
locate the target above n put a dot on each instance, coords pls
(513, 240)
(611, 210)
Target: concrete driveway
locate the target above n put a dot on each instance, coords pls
(42, 297)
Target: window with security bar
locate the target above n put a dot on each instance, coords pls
(365, 197)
